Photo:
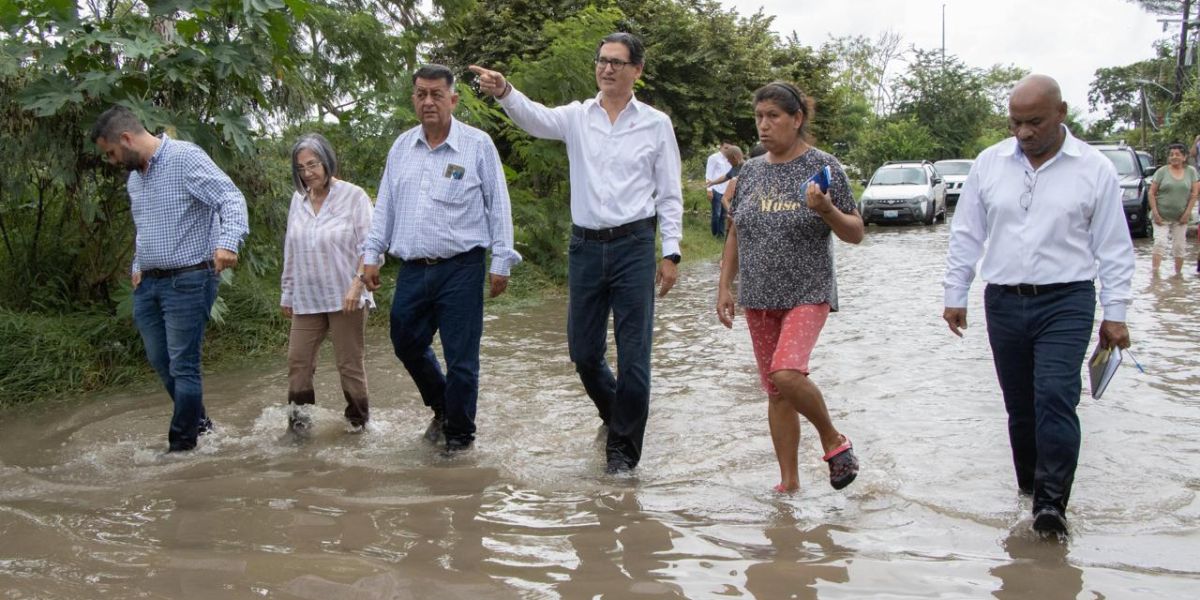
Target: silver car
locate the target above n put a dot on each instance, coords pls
(904, 192)
(955, 172)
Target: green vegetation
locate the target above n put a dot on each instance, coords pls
(243, 78)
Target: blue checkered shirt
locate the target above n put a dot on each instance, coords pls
(184, 208)
(436, 203)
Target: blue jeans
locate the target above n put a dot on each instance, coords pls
(446, 298)
(718, 215)
(171, 313)
(616, 276)
(1038, 345)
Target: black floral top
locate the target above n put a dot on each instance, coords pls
(785, 252)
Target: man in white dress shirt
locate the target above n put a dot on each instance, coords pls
(716, 167)
(625, 178)
(1048, 208)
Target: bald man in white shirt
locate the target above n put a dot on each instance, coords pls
(1048, 206)
(625, 179)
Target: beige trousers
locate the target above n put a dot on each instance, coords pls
(348, 330)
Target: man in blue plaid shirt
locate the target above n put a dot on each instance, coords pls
(190, 220)
(443, 203)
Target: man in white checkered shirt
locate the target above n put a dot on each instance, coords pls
(190, 220)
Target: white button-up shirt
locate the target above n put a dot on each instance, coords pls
(620, 172)
(1073, 229)
(321, 249)
(716, 167)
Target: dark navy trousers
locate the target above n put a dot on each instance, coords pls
(1038, 345)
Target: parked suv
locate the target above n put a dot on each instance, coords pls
(955, 172)
(1135, 188)
(905, 192)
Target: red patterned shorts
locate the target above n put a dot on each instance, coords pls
(783, 339)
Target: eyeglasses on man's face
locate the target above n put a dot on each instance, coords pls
(617, 64)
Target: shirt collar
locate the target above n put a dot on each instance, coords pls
(159, 153)
(634, 104)
(452, 138)
(1071, 146)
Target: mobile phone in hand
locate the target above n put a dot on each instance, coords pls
(821, 178)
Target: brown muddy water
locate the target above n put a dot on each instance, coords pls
(91, 508)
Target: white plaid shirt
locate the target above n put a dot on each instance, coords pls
(184, 208)
(436, 203)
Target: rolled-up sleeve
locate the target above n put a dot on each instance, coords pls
(380, 234)
(668, 188)
(499, 208)
(210, 185)
(1113, 248)
(968, 232)
(537, 119)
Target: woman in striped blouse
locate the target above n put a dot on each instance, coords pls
(323, 291)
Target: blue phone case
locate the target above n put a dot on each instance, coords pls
(821, 178)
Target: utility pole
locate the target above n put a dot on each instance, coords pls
(1180, 73)
(944, 35)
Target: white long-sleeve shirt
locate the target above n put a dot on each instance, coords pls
(716, 167)
(321, 249)
(1073, 230)
(621, 171)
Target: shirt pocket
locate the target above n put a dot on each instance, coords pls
(449, 191)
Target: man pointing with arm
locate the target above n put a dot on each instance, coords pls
(625, 179)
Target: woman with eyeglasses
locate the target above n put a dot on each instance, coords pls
(780, 242)
(323, 289)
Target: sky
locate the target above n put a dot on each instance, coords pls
(1065, 39)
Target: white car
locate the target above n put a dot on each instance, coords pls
(904, 192)
(955, 172)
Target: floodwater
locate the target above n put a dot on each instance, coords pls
(91, 508)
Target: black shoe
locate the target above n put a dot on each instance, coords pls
(1049, 520)
(455, 446)
(1025, 492)
(617, 465)
(206, 427)
(434, 431)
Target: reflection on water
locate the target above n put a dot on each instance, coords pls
(90, 508)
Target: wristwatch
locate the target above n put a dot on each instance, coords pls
(675, 258)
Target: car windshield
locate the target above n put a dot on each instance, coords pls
(1122, 160)
(953, 167)
(901, 176)
(1145, 159)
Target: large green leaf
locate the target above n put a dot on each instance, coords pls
(47, 96)
(97, 84)
(236, 130)
(145, 46)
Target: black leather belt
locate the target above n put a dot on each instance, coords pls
(160, 273)
(425, 262)
(612, 233)
(1032, 289)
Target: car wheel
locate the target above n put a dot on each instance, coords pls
(1145, 230)
(931, 216)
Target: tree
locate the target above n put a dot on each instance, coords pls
(948, 98)
(861, 65)
(892, 139)
(1119, 90)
